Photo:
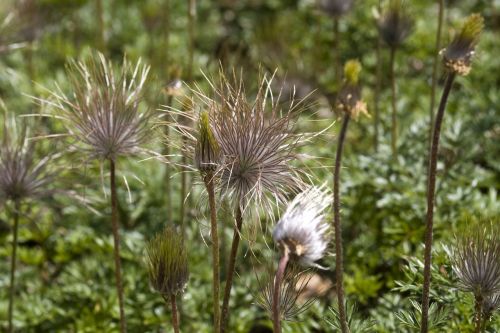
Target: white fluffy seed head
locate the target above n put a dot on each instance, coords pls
(302, 230)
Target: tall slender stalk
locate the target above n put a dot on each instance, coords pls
(116, 238)
(339, 271)
(378, 83)
(394, 119)
(280, 272)
(166, 129)
(208, 179)
(100, 18)
(230, 270)
(175, 315)
(12, 286)
(479, 313)
(431, 186)
(435, 67)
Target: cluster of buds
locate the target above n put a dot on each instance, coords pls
(349, 97)
(458, 55)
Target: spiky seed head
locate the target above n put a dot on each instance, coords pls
(395, 23)
(336, 8)
(22, 174)
(302, 230)
(293, 285)
(257, 143)
(349, 97)
(207, 152)
(167, 262)
(476, 259)
(458, 55)
(103, 113)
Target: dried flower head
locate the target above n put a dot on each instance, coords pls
(167, 262)
(349, 97)
(395, 24)
(302, 230)
(336, 8)
(103, 112)
(491, 304)
(476, 260)
(22, 175)
(256, 142)
(207, 152)
(292, 287)
(458, 55)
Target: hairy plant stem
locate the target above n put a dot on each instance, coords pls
(116, 238)
(167, 180)
(339, 271)
(394, 119)
(435, 67)
(431, 187)
(280, 272)
(336, 54)
(230, 270)
(378, 83)
(208, 179)
(12, 286)
(479, 313)
(175, 315)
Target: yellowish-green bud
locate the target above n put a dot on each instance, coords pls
(207, 152)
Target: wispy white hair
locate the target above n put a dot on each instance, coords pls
(302, 230)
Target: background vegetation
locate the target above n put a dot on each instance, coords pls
(65, 275)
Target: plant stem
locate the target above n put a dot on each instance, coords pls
(167, 180)
(230, 270)
(12, 286)
(100, 18)
(175, 315)
(435, 67)
(215, 249)
(191, 22)
(478, 314)
(431, 186)
(338, 229)
(336, 53)
(378, 84)
(280, 272)
(394, 129)
(116, 238)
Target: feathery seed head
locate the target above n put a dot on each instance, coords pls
(476, 259)
(207, 151)
(103, 111)
(395, 24)
(336, 8)
(491, 304)
(349, 97)
(22, 176)
(458, 55)
(302, 230)
(167, 262)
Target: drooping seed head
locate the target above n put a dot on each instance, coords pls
(349, 97)
(336, 8)
(476, 259)
(167, 262)
(302, 230)
(207, 154)
(103, 114)
(22, 174)
(395, 23)
(458, 55)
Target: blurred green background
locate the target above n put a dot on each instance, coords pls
(65, 275)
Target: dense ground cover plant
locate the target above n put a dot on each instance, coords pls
(65, 278)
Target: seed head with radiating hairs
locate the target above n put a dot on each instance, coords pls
(22, 175)
(256, 142)
(207, 152)
(302, 230)
(349, 97)
(458, 55)
(103, 112)
(395, 24)
(476, 260)
(167, 262)
(491, 304)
